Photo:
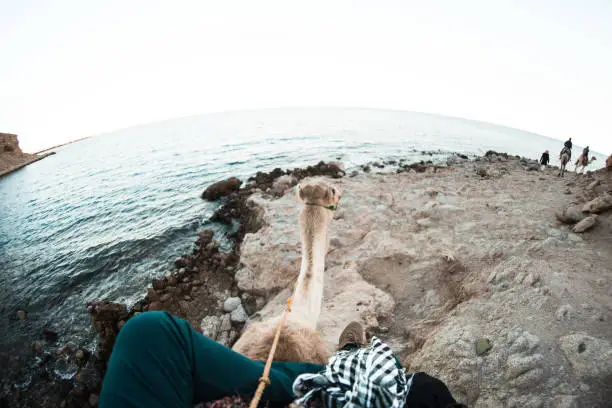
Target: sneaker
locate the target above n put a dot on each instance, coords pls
(353, 334)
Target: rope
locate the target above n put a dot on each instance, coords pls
(264, 380)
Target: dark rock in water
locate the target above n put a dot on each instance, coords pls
(266, 179)
(462, 156)
(366, 168)
(37, 346)
(221, 189)
(82, 355)
(378, 165)
(49, 334)
(180, 262)
(89, 378)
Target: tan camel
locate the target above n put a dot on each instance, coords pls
(564, 159)
(299, 340)
(582, 163)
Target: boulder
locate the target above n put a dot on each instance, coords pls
(586, 224)
(570, 215)
(221, 189)
(239, 315)
(210, 326)
(231, 304)
(599, 204)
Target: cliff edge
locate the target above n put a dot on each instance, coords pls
(11, 156)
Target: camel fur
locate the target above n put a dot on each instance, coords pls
(564, 159)
(582, 162)
(299, 341)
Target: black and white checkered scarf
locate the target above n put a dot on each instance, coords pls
(365, 377)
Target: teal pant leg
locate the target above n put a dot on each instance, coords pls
(160, 361)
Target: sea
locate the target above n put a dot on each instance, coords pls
(105, 215)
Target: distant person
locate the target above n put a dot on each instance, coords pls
(585, 154)
(567, 148)
(545, 158)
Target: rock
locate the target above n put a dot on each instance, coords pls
(282, 184)
(158, 284)
(49, 334)
(89, 378)
(570, 215)
(482, 172)
(354, 173)
(483, 346)
(152, 294)
(225, 324)
(187, 298)
(239, 315)
(593, 184)
(599, 204)
(586, 224)
(224, 338)
(589, 357)
(155, 306)
(564, 401)
(231, 304)
(210, 326)
(38, 346)
(564, 313)
(172, 281)
(81, 355)
(221, 189)
(21, 314)
(93, 400)
(180, 262)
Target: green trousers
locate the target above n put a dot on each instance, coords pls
(160, 361)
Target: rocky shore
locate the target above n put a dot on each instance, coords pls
(436, 260)
(11, 156)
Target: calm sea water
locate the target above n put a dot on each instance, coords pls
(104, 216)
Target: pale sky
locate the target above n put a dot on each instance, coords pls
(70, 69)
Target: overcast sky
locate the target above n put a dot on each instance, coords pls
(70, 69)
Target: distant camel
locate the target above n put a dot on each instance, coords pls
(299, 340)
(564, 159)
(582, 162)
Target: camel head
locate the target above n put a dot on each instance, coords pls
(318, 193)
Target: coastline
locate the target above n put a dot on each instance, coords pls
(205, 278)
(28, 161)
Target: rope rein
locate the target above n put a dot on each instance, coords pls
(264, 380)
